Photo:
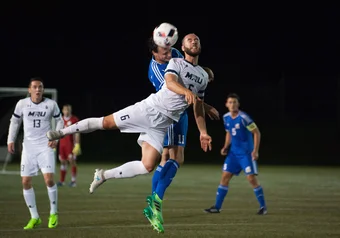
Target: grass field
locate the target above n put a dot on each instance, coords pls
(302, 202)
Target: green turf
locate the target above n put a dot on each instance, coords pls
(302, 202)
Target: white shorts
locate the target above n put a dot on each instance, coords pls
(146, 120)
(31, 162)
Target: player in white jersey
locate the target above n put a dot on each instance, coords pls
(185, 83)
(36, 113)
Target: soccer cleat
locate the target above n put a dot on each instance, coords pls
(212, 209)
(60, 184)
(155, 204)
(54, 135)
(33, 223)
(262, 211)
(72, 184)
(156, 224)
(98, 179)
(53, 221)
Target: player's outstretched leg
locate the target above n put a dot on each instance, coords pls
(83, 126)
(98, 179)
(156, 224)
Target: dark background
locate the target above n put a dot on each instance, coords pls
(283, 60)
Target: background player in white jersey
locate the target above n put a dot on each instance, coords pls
(176, 137)
(151, 118)
(36, 113)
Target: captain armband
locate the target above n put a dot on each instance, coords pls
(251, 126)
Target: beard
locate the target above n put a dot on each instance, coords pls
(192, 54)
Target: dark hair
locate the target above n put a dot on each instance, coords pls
(233, 95)
(35, 79)
(152, 45)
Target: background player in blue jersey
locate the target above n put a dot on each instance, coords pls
(175, 140)
(241, 149)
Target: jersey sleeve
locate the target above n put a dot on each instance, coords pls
(57, 116)
(156, 74)
(15, 122)
(172, 68)
(248, 122)
(226, 127)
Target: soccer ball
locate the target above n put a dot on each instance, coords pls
(165, 35)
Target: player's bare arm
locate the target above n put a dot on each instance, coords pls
(257, 137)
(173, 85)
(200, 121)
(211, 112)
(227, 142)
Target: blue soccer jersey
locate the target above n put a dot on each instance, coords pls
(177, 132)
(242, 144)
(157, 70)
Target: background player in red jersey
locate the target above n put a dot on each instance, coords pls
(69, 148)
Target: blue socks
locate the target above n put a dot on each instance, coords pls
(259, 195)
(166, 176)
(155, 178)
(220, 195)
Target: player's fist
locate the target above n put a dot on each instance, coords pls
(210, 74)
(205, 142)
(190, 97)
(11, 148)
(76, 150)
(224, 151)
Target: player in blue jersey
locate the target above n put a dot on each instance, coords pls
(241, 149)
(175, 139)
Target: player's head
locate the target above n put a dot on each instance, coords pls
(160, 54)
(191, 45)
(233, 102)
(67, 110)
(36, 89)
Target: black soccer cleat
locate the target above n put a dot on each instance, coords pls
(212, 209)
(262, 211)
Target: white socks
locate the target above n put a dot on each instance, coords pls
(84, 126)
(127, 170)
(29, 197)
(53, 196)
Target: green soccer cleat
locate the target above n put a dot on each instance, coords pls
(33, 223)
(53, 221)
(153, 220)
(155, 204)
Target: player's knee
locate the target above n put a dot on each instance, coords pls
(225, 179)
(26, 182)
(109, 122)
(49, 181)
(252, 180)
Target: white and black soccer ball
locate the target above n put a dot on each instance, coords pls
(165, 35)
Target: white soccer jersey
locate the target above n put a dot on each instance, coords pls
(36, 120)
(193, 77)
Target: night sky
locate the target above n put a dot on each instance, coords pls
(258, 51)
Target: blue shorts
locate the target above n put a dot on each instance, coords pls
(236, 163)
(177, 132)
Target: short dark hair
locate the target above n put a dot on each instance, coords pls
(152, 45)
(35, 79)
(233, 95)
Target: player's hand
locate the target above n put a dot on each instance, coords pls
(213, 113)
(11, 148)
(53, 144)
(254, 155)
(76, 150)
(205, 142)
(224, 151)
(190, 97)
